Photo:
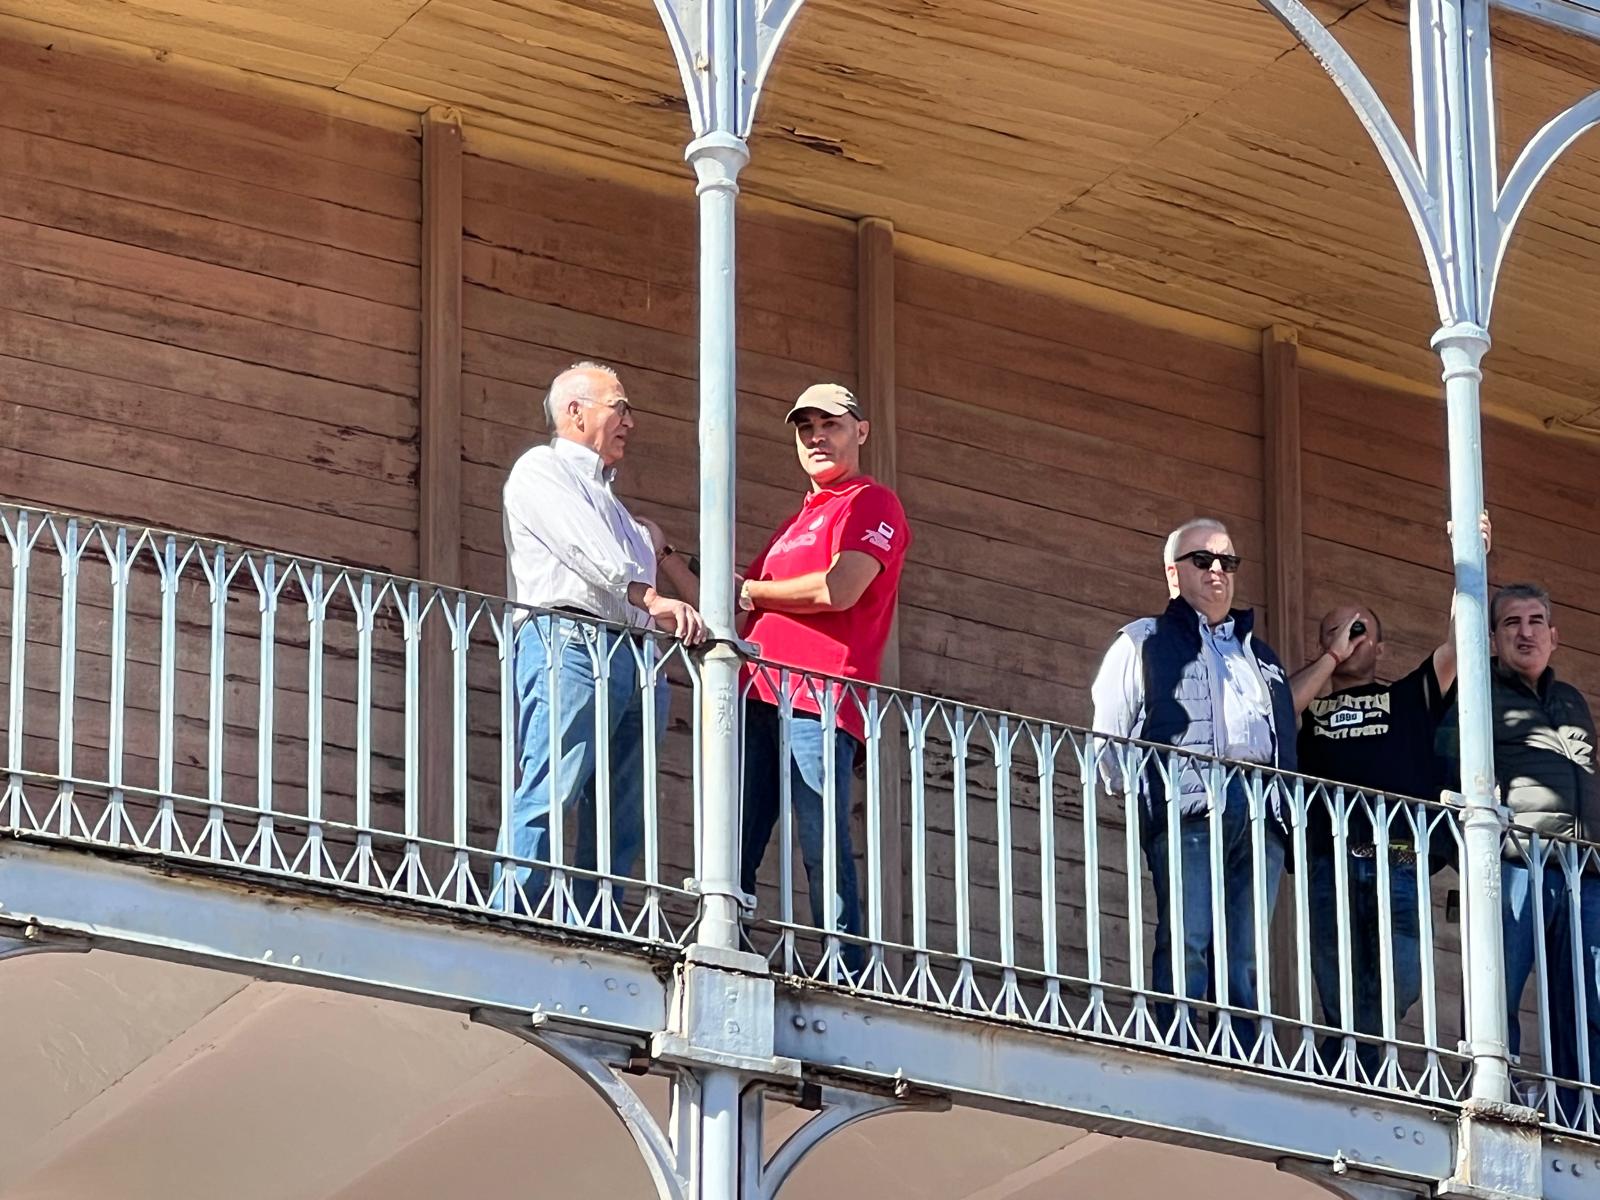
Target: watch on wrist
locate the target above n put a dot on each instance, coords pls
(666, 552)
(745, 603)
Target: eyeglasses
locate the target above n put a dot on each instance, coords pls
(1202, 560)
(623, 408)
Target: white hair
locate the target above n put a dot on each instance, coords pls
(1169, 555)
(563, 383)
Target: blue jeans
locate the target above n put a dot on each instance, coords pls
(1366, 976)
(762, 807)
(557, 663)
(1560, 1007)
(1194, 892)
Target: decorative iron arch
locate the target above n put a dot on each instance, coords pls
(1449, 182)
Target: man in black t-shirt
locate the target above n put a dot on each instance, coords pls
(1378, 740)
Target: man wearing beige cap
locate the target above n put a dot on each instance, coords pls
(821, 598)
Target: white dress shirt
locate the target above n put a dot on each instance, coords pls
(570, 543)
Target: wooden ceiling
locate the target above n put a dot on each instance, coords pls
(1183, 151)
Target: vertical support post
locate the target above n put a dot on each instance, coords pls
(875, 354)
(1461, 349)
(875, 384)
(724, 49)
(439, 466)
(716, 1171)
(1280, 395)
(439, 460)
(1282, 474)
(1468, 181)
(717, 159)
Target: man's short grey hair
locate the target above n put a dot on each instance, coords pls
(1169, 555)
(1518, 591)
(556, 393)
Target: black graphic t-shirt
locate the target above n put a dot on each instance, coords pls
(1378, 737)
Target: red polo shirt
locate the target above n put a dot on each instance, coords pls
(859, 514)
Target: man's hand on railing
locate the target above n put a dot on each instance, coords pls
(677, 617)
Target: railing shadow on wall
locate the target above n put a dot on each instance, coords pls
(179, 697)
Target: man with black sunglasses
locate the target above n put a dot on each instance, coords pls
(1197, 679)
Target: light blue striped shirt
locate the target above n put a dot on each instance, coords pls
(1244, 727)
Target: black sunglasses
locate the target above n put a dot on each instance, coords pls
(1202, 560)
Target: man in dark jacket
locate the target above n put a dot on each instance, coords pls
(1544, 740)
(1196, 678)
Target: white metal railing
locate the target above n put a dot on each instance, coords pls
(1023, 890)
(355, 731)
(271, 714)
(1551, 907)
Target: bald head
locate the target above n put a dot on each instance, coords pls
(585, 381)
(586, 403)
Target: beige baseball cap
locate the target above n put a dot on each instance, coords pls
(832, 398)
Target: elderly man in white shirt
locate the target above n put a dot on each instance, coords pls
(574, 550)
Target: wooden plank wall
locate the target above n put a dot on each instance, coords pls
(208, 309)
(1045, 452)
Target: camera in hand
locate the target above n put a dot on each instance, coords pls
(1357, 628)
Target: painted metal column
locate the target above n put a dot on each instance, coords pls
(718, 157)
(1461, 348)
(1458, 126)
(721, 1039)
(716, 1173)
(724, 49)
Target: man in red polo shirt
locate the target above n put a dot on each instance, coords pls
(822, 596)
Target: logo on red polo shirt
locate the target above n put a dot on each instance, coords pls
(881, 536)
